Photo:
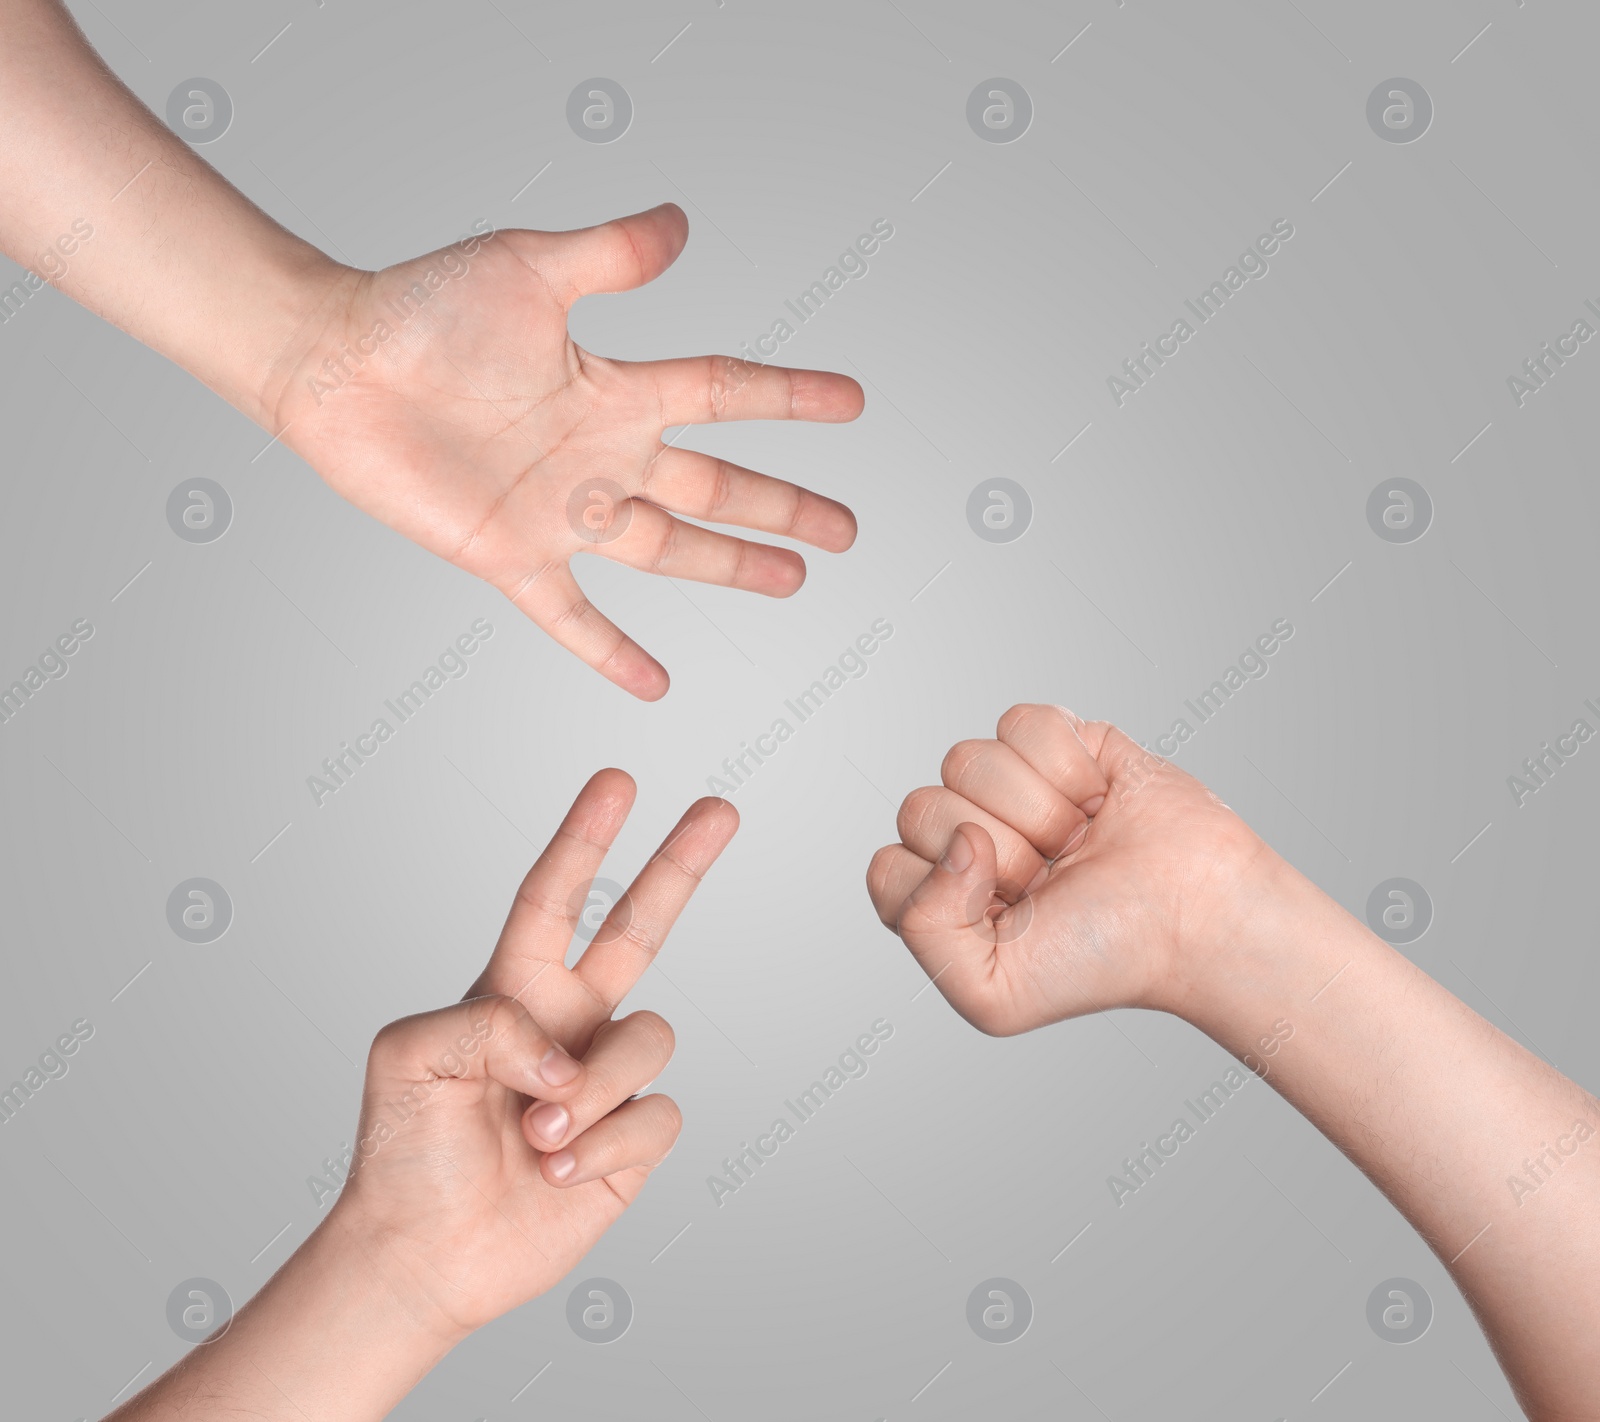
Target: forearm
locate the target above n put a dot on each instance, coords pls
(177, 257)
(1444, 1112)
(325, 1337)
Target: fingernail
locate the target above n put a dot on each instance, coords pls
(549, 1122)
(557, 1068)
(957, 854)
(1077, 838)
(561, 1163)
(1092, 805)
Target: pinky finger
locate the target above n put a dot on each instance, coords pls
(553, 599)
(891, 878)
(630, 1142)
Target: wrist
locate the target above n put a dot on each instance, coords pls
(188, 265)
(355, 1260)
(298, 300)
(1279, 941)
(329, 1335)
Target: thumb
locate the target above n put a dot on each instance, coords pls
(489, 1038)
(615, 256)
(950, 925)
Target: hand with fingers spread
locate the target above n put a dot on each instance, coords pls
(499, 1139)
(1062, 869)
(443, 395)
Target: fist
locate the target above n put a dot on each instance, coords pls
(1060, 869)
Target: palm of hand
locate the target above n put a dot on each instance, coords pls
(445, 397)
(471, 420)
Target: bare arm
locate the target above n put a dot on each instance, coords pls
(329, 1335)
(178, 257)
(1028, 911)
(443, 396)
(500, 1138)
(1491, 1154)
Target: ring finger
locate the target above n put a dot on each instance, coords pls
(929, 817)
(653, 541)
(995, 778)
(636, 1135)
(700, 486)
(627, 1055)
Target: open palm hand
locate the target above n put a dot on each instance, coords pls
(445, 397)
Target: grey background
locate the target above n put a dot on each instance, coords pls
(1230, 492)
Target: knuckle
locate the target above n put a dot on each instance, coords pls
(514, 587)
(1102, 732)
(1014, 718)
(386, 1046)
(576, 613)
(878, 869)
(718, 369)
(596, 1071)
(657, 1032)
(961, 758)
(670, 1113)
(918, 811)
(798, 501)
(625, 250)
(502, 1015)
(741, 559)
(614, 657)
(666, 547)
(545, 904)
(648, 472)
(638, 938)
(886, 903)
(721, 487)
(1061, 821)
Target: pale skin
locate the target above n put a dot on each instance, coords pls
(1060, 869)
(499, 1139)
(470, 428)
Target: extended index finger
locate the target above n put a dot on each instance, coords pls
(627, 942)
(544, 915)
